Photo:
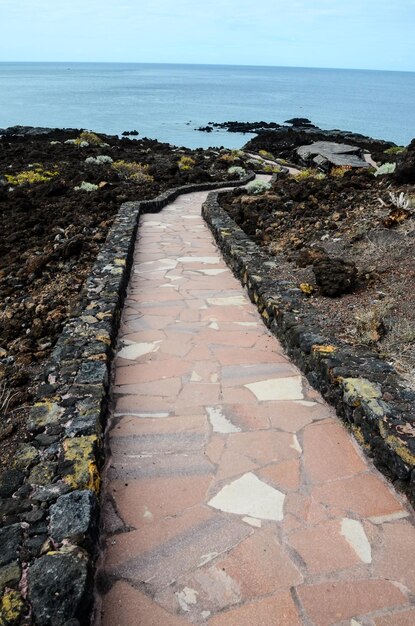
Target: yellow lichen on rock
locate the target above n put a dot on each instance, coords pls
(307, 288)
(324, 349)
(358, 390)
(397, 445)
(11, 608)
(104, 337)
(80, 452)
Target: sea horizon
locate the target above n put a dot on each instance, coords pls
(162, 63)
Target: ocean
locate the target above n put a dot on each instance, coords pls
(167, 102)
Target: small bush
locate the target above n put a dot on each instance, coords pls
(30, 177)
(386, 168)
(266, 155)
(239, 171)
(256, 187)
(132, 171)
(89, 138)
(271, 169)
(339, 172)
(309, 173)
(87, 187)
(400, 200)
(99, 160)
(186, 163)
(371, 323)
(232, 156)
(255, 164)
(395, 150)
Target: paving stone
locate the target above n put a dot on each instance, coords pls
(278, 609)
(394, 558)
(124, 606)
(284, 475)
(365, 495)
(329, 603)
(329, 452)
(142, 501)
(324, 548)
(165, 564)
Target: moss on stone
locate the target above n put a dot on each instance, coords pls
(9, 575)
(44, 413)
(25, 456)
(42, 474)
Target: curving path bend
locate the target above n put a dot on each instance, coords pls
(233, 495)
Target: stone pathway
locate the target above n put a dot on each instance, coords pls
(234, 496)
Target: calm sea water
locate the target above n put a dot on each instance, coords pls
(167, 102)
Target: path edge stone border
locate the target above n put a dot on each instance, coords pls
(367, 393)
(49, 497)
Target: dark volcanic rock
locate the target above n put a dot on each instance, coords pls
(73, 516)
(300, 121)
(334, 276)
(58, 586)
(10, 481)
(405, 169)
(10, 540)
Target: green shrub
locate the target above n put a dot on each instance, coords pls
(86, 137)
(271, 169)
(87, 187)
(266, 155)
(239, 171)
(231, 156)
(386, 168)
(102, 159)
(30, 177)
(186, 163)
(256, 187)
(339, 172)
(309, 173)
(132, 171)
(395, 150)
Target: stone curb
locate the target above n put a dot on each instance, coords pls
(49, 508)
(368, 394)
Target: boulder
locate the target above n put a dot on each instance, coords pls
(334, 276)
(405, 169)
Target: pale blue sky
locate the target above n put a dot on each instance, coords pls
(372, 34)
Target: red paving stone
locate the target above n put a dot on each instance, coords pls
(194, 453)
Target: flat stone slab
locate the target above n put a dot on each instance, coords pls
(234, 496)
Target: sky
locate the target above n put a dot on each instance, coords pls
(356, 34)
